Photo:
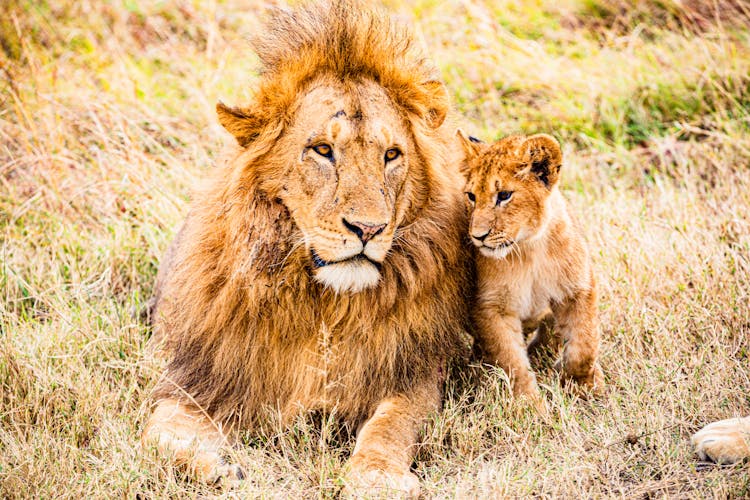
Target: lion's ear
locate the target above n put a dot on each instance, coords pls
(545, 158)
(438, 103)
(242, 124)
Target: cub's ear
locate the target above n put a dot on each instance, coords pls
(545, 158)
(244, 125)
(437, 104)
(472, 146)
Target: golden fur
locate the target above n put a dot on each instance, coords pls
(724, 442)
(313, 272)
(531, 260)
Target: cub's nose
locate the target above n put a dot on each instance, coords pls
(480, 237)
(365, 232)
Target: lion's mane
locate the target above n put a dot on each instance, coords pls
(243, 324)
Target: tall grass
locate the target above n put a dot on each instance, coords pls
(107, 123)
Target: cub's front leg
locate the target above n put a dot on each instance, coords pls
(192, 440)
(386, 444)
(501, 336)
(578, 325)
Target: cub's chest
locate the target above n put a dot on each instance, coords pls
(531, 289)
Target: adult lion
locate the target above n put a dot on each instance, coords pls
(323, 266)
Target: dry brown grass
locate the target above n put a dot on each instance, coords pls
(107, 121)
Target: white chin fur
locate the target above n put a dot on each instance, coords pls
(350, 276)
(497, 253)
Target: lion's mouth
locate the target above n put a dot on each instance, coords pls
(318, 262)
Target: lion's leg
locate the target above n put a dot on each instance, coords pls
(183, 432)
(725, 441)
(578, 325)
(502, 340)
(386, 445)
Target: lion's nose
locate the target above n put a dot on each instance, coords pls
(365, 232)
(480, 237)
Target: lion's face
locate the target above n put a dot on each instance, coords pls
(507, 187)
(347, 151)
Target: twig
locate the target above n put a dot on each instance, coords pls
(634, 438)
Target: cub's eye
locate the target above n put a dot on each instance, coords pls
(504, 196)
(392, 154)
(471, 197)
(324, 150)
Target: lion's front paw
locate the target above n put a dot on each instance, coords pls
(363, 481)
(228, 476)
(724, 442)
(212, 469)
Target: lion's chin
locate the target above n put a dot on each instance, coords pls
(348, 276)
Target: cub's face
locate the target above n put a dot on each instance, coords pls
(347, 152)
(507, 187)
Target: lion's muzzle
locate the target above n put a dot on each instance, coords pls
(365, 232)
(356, 271)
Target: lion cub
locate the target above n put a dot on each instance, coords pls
(532, 260)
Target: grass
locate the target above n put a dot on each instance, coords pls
(107, 123)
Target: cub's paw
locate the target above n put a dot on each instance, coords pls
(535, 400)
(365, 482)
(526, 386)
(528, 393)
(540, 405)
(586, 383)
(724, 442)
(595, 382)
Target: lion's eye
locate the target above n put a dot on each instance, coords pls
(392, 154)
(471, 197)
(324, 150)
(504, 196)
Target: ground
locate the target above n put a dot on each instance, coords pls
(107, 123)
